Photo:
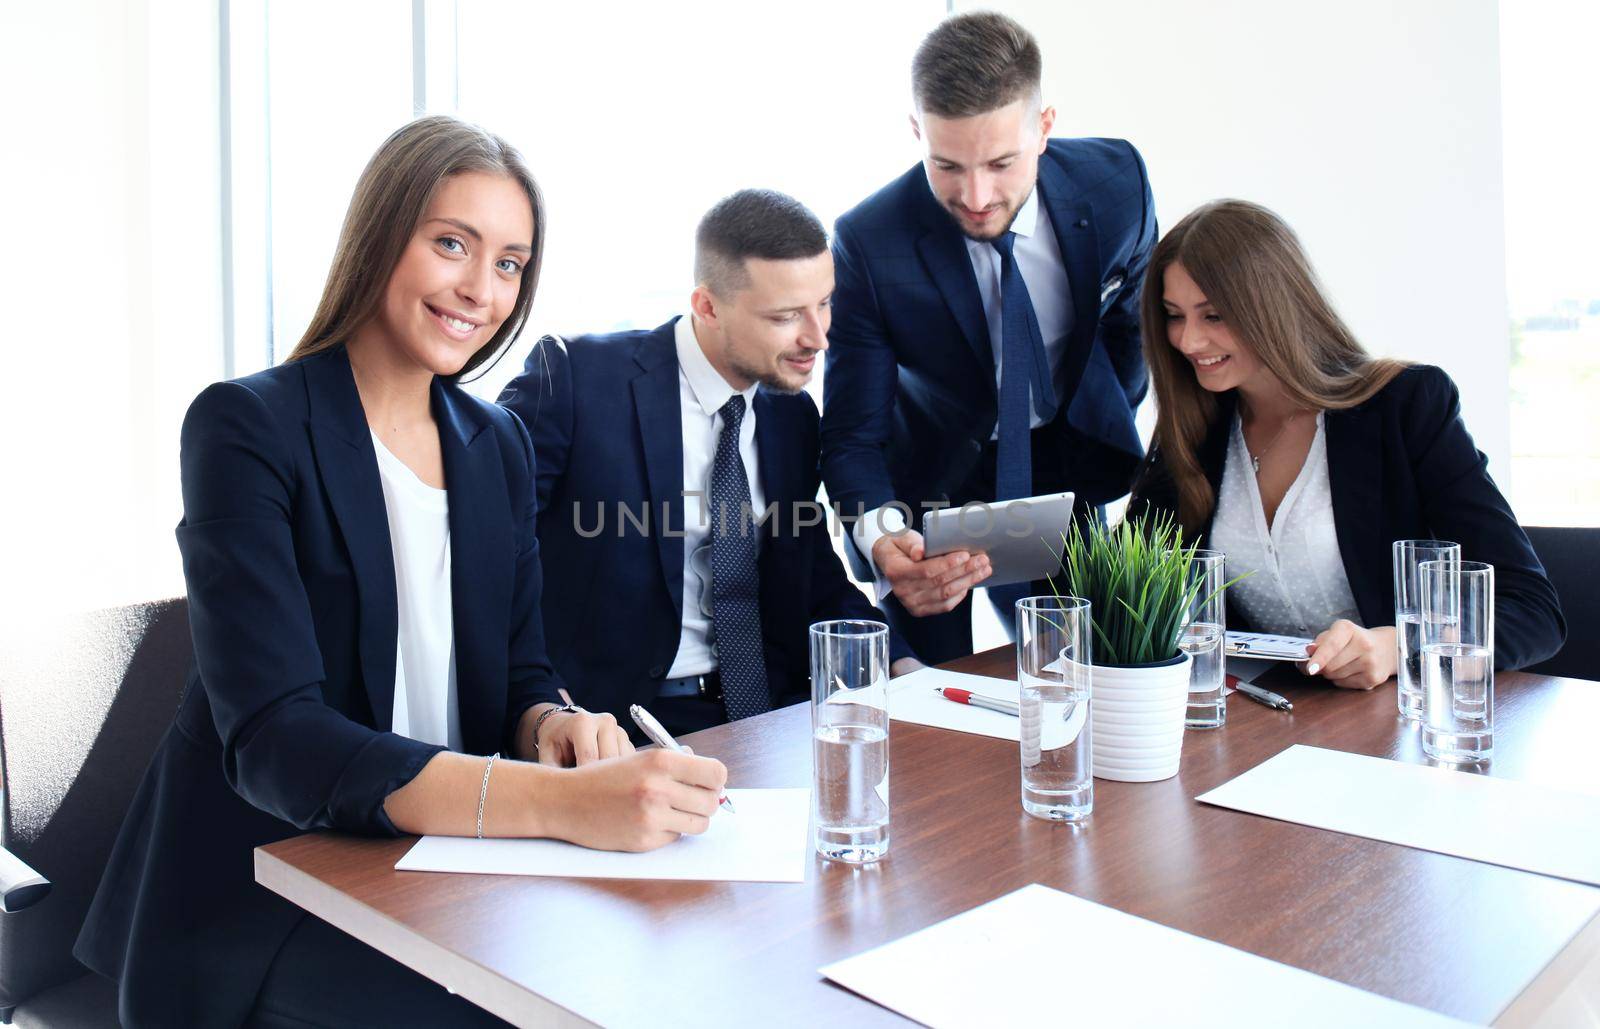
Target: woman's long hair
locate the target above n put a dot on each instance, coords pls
(391, 197)
(1252, 269)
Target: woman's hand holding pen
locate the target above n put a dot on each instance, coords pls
(1352, 657)
(635, 803)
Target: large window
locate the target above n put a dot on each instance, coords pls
(1552, 261)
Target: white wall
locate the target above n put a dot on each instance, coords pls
(112, 282)
(1371, 126)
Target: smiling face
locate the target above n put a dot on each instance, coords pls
(458, 278)
(983, 167)
(1219, 359)
(772, 330)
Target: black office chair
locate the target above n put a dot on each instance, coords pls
(1571, 558)
(83, 703)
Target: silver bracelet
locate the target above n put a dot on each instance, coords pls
(483, 792)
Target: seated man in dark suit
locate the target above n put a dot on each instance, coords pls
(685, 557)
(986, 326)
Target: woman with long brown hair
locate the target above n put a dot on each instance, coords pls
(364, 596)
(1281, 442)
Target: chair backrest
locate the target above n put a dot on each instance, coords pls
(1571, 558)
(84, 700)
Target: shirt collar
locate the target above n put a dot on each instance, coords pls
(709, 388)
(1026, 222)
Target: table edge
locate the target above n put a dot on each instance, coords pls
(1570, 983)
(460, 975)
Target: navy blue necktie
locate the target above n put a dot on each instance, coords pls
(1024, 370)
(735, 581)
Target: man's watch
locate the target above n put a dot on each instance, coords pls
(538, 723)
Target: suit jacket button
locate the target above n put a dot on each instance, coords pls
(657, 672)
(1083, 223)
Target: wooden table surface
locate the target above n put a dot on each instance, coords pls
(1441, 932)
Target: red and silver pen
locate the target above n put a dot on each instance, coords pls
(662, 738)
(1005, 707)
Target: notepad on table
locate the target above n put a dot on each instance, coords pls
(1038, 956)
(913, 698)
(1267, 646)
(767, 841)
(1479, 817)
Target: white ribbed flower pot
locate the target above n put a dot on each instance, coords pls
(1136, 718)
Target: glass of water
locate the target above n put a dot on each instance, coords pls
(1053, 681)
(1408, 555)
(1202, 640)
(1457, 660)
(850, 739)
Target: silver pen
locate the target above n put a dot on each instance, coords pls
(1261, 696)
(662, 738)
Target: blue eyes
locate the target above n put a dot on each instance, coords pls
(453, 245)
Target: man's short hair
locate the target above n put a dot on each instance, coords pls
(974, 63)
(760, 223)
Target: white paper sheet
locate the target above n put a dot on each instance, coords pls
(912, 699)
(768, 840)
(1095, 965)
(1498, 821)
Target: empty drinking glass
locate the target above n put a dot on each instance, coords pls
(1408, 554)
(1457, 660)
(1202, 640)
(1053, 684)
(850, 739)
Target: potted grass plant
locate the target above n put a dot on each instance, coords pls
(1136, 577)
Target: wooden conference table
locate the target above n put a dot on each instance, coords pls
(1441, 932)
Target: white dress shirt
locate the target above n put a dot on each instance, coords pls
(1297, 585)
(701, 393)
(1038, 256)
(425, 702)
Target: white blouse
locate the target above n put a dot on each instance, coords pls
(425, 706)
(1297, 585)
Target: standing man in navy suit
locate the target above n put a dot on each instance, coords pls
(685, 556)
(986, 325)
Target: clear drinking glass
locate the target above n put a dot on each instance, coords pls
(1053, 680)
(1202, 640)
(1457, 660)
(1408, 554)
(850, 739)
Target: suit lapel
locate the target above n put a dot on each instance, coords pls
(348, 468)
(481, 565)
(944, 253)
(656, 406)
(775, 475)
(1355, 441)
(1075, 232)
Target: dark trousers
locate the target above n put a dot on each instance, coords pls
(683, 715)
(324, 977)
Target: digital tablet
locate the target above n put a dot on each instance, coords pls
(1022, 537)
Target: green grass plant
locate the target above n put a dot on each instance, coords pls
(1136, 577)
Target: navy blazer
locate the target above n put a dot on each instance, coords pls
(1403, 466)
(285, 724)
(910, 395)
(605, 415)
